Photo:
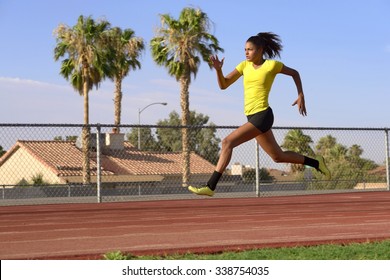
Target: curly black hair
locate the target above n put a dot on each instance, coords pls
(270, 42)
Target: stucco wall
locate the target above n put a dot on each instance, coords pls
(22, 165)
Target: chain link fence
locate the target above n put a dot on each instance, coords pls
(47, 163)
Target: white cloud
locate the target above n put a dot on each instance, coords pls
(18, 83)
(30, 101)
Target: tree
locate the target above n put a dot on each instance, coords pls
(355, 151)
(85, 65)
(325, 144)
(67, 138)
(338, 152)
(249, 176)
(149, 143)
(170, 139)
(296, 141)
(124, 52)
(179, 45)
(2, 152)
(37, 180)
(203, 140)
(346, 164)
(359, 165)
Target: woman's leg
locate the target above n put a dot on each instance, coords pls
(241, 135)
(268, 143)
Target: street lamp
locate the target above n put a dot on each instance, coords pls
(139, 120)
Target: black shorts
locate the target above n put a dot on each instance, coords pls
(263, 120)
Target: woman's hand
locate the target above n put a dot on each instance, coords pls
(216, 63)
(223, 82)
(298, 83)
(301, 104)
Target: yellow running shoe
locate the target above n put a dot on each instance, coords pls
(203, 190)
(322, 167)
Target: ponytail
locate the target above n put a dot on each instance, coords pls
(270, 42)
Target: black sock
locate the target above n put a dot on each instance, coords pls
(213, 181)
(311, 162)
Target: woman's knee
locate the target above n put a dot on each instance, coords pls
(278, 157)
(227, 143)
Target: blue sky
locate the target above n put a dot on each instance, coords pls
(340, 48)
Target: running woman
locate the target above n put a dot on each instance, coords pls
(259, 71)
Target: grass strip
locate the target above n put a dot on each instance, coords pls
(354, 251)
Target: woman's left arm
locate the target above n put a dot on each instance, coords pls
(298, 83)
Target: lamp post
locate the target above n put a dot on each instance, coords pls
(139, 120)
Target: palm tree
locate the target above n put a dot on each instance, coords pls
(296, 141)
(179, 46)
(325, 144)
(85, 65)
(125, 50)
(355, 151)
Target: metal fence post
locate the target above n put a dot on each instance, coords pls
(387, 158)
(257, 170)
(98, 163)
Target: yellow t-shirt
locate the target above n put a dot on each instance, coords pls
(257, 84)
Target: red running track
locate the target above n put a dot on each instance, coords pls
(86, 231)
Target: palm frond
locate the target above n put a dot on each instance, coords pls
(181, 44)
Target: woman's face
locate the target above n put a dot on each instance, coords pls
(252, 52)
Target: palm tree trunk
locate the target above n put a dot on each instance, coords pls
(117, 103)
(185, 113)
(86, 137)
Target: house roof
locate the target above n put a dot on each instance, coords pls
(62, 157)
(131, 160)
(379, 171)
(280, 175)
(65, 159)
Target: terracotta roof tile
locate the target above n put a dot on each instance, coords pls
(64, 158)
(137, 162)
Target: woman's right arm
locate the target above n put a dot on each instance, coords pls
(224, 82)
